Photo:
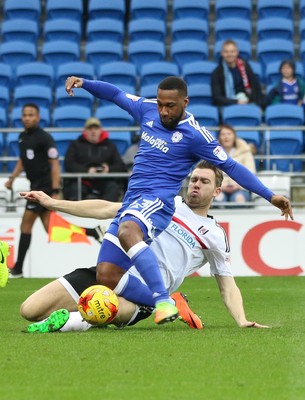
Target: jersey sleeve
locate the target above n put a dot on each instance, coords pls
(104, 90)
(219, 262)
(49, 146)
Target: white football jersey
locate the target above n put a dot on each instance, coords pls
(189, 242)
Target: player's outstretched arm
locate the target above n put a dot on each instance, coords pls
(283, 204)
(233, 300)
(73, 82)
(99, 209)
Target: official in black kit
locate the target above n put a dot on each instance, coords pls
(39, 160)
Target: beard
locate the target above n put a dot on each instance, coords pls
(172, 123)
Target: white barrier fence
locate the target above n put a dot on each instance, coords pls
(262, 243)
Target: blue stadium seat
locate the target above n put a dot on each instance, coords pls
(244, 48)
(275, 28)
(233, 8)
(154, 72)
(273, 74)
(275, 8)
(190, 28)
(112, 115)
(252, 137)
(80, 98)
(257, 69)
(148, 9)
(103, 51)
(64, 9)
(141, 52)
(59, 52)
(285, 143)
(12, 147)
(70, 116)
(302, 9)
(149, 91)
(34, 73)
(3, 118)
(186, 51)
(200, 93)
(62, 29)
(302, 29)
(147, 28)
(29, 9)
(20, 29)
(206, 115)
(233, 28)
(76, 68)
(16, 120)
(4, 98)
(242, 115)
(38, 94)
(17, 52)
(105, 29)
(198, 71)
(284, 114)
(274, 50)
(122, 140)
(6, 75)
(106, 9)
(302, 52)
(118, 73)
(191, 9)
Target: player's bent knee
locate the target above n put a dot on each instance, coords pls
(28, 312)
(109, 275)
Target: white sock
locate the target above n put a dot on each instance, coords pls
(75, 323)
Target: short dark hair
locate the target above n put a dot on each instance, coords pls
(174, 83)
(203, 164)
(33, 105)
(287, 62)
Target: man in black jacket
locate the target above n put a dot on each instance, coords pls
(93, 152)
(233, 81)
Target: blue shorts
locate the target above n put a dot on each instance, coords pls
(149, 212)
(152, 216)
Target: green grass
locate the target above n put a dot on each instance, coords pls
(163, 362)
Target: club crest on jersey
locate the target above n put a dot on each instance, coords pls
(220, 153)
(159, 144)
(202, 230)
(30, 154)
(177, 136)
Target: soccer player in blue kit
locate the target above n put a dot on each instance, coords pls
(171, 143)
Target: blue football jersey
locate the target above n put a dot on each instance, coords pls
(166, 157)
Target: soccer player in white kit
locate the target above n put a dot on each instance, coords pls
(171, 143)
(191, 240)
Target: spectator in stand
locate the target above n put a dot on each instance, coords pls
(233, 81)
(240, 151)
(290, 88)
(93, 153)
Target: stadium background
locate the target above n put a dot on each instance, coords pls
(134, 44)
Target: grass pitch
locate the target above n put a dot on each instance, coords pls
(152, 362)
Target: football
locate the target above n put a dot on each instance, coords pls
(98, 305)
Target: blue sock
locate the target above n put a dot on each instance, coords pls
(147, 265)
(135, 291)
